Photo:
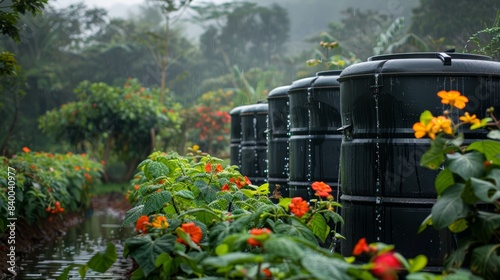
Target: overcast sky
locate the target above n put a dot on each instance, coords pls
(105, 3)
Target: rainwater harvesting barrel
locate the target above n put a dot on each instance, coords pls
(278, 136)
(314, 136)
(235, 145)
(385, 193)
(254, 142)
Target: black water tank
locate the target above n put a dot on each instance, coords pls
(385, 193)
(315, 139)
(254, 142)
(235, 145)
(277, 152)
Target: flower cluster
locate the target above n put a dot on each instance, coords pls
(259, 235)
(431, 126)
(385, 263)
(213, 124)
(55, 209)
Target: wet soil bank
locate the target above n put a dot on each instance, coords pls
(28, 237)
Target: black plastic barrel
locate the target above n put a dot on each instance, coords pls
(235, 145)
(254, 142)
(278, 136)
(314, 136)
(385, 193)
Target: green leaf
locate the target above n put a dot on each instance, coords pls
(65, 274)
(418, 263)
(458, 226)
(222, 249)
(204, 215)
(490, 149)
(443, 180)
(232, 259)
(185, 194)
(325, 268)
(485, 190)
(427, 222)
(102, 262)
(132, 215)
(295, 228)
(486, 261)
(494, 134)
(155, 202)
(481, 124)
(485, 226)
(155, 169)
(82, 270)
(426, 117)
(284, 247)
(144, 250)
(433, 157)
(466, 165)
(449, 207)
(263, 189)
(457, 257)
(285, 202)
(319, 226)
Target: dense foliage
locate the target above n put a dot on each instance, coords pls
(468, 185)
(46, 184)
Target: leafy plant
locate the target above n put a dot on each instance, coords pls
(46, 184)
(468, 185)
(490, 35)
(196, 219)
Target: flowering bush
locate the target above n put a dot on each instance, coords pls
(47, 184)
(468, 185)
(195, 218)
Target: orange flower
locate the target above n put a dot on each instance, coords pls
(361, 247)
(256, 232)
(267, 272)
(219, 168)
(299, 206)
(466, 118)
(440, 124)
(386, 266)
(194, 232)
(77, 168)
(136, 187)
(225, 188)
(160, 222)
(26, 149)
(208, 168)
(420, 130)
(322, 189)
(140, 225)
(454, 98)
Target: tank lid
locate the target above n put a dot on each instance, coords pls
(278, 92)
(425, 63)
(260, 108)
(301, 84)
(329, 73)
(327, 79)
(237, 110)
(442, 55)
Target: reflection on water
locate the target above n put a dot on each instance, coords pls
(78, 245)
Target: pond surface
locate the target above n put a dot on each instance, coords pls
(78, 245)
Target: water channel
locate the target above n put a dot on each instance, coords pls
(78, 245)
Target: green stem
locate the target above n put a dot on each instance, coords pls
(175, 207)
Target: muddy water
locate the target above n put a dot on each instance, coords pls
(77, 245)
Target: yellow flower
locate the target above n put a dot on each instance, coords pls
(160, 222)
(466, 118)
(420, 130)
(454, 98)
(439, 124)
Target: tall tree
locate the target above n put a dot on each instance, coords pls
(455, 21)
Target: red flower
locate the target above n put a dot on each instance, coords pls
(225, 188)
(361, 247)
(386, 266)
(267, 272)
(219, 168)
(26, 149)
(257, 231)
(322, 189)
(208, 167)
(140, 225)
(194, 232)
(299, 206)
